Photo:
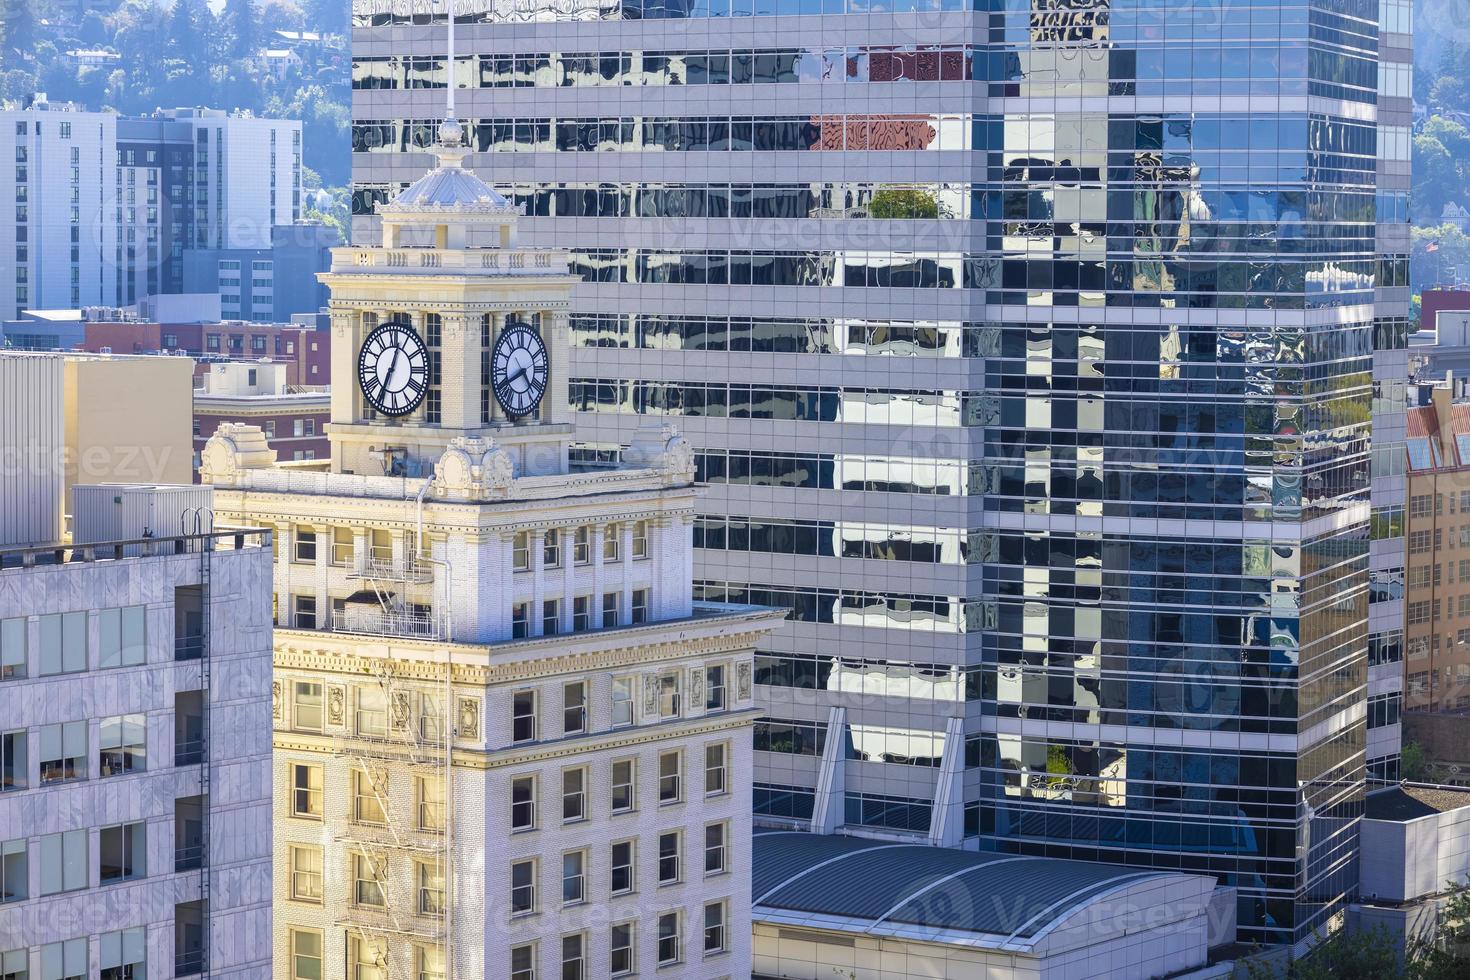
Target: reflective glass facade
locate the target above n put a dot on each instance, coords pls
(1032, 353)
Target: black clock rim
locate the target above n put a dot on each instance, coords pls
(538, 390)
(362, 352)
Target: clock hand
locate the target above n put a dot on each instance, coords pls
(393, 368)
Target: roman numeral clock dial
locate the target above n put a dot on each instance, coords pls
(518, 370)
(393, 369)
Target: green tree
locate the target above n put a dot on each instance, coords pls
(1413, 765)
(1369, 954)
(18, 24)
(1438, 255)
(902, 202)
(1447, 957)
(239, 29)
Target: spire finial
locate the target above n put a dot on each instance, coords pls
(449, 89)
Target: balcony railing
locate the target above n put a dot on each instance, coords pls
(431, 261)
(188, 857)
(190, 962)
(385, 622)
(189, 753)
(404, 570)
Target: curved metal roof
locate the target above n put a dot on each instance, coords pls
(999, 897)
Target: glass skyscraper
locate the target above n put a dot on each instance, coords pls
(1029, 351)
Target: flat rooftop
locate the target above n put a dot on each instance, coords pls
(1411, 801)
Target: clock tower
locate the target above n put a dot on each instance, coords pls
(448, 329)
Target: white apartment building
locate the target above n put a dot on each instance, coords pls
(106, 205)
(59, 178)
(134, 747)
(507, 741)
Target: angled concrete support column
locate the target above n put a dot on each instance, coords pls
(947, 822)
(827, 811)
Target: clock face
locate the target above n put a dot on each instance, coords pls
(518, 370)
(393, 369)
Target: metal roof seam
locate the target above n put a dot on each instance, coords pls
(822, 864)
(935, 884)
(1066, 900)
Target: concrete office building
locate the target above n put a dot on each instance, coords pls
(134, 748)
(508, 741)
(1002, 346)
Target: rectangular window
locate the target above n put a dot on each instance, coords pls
(520, 620)
(431, 964)
(63, 961)
(573, 795)
(306, 706)
(715, 835)
(639, 611)
(304, 551)
(582, 546)
(12, 648)
(344, 546)
(668, 938)
(715, 769)
(523, 962)
(714, 928)
(431, 887)
(368, 875)
(429, 792)
(669, 766)
(714, 688)
(306, 955)
(623, 957)
(573, 957)
(13, 871)
(573, 877)
(306, 790)
(13, 760)
(123, 955)
(372, 711)
(303, 612)
(574, 708)
(63, 862)
(622, 701)
(63, 644)
(551, 548)
(120, 637)
(523, 803)
(121, 745)
(668, 695)
(550, 617)
(123, 852)
(582, 613)
(624, 871)
(306, 873)
(367, 799)
(367, 958)
(612, 538)
(523, 716)
(523, 887)
(669, 865)
(624, 783)
(63, 752)
(610, 605)
(520, 554)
